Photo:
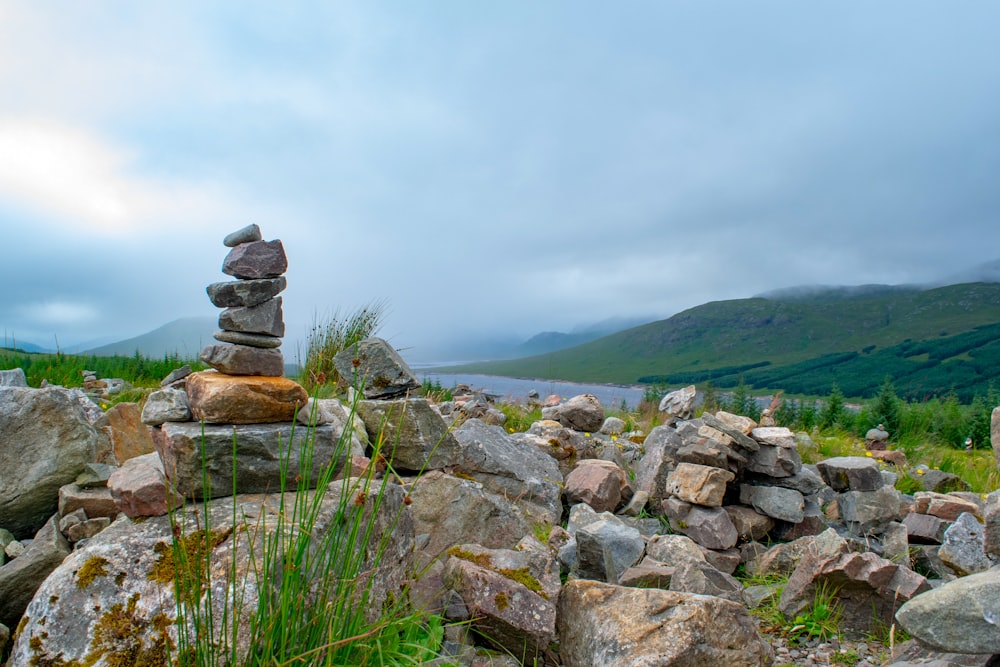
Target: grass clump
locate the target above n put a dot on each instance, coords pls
(329, 337)
(315, 561)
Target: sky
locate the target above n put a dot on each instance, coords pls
(489, 170)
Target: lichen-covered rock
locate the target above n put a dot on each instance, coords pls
(606, 549)
(113, 601)
(169, 404)
(851, 473)
(703, 579)
(679, 404)
(614, 626)
(963, 548)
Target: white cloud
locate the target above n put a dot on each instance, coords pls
(58, 312)
(82, 182)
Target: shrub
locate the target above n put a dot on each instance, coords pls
(328, 338)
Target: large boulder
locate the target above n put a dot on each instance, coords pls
(580, 413)
(21, 577)
(511, 468)
(959, 616)
(113, 601)
(409, 434)
(193, 452)
(374, 367)
(45, 442)
(851, 473)
(596, 482)
(217, 398)
(613, 626)
(509, 596)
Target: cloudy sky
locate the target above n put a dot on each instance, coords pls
(488, 169)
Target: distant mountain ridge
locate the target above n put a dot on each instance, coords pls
(184, 337)
(802, 341)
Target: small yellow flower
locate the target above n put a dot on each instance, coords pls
(586, 435)
(983, 496)
(510, 430)
(920, 472)
(868, 454)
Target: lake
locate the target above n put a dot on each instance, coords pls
(611, 396)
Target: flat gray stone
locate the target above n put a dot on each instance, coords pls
(166, 405)
(245, 292)
(774, 501)
(606, 549)
(265, 319)
(380, 373)
(851, 473)
(253, 340)
(247, 234)
(960, 616)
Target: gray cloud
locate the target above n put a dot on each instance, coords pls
(501, 170)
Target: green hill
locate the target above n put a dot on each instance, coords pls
(929, 341)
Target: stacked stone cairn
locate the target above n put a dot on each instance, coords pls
(246, 392)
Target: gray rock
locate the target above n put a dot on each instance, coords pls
(615, 626)
(516, 471)
(189, 449)
(963, 547)
(775, 436)
(376, 369)
(750, 524)
(851, 473)
(256, 260)
(775, 461)
(45, 442)
(940, 481)
(451, 510)
(413, 437)
(654, 468)
(774, 501)
(265, 319)
(679, 403)
(868, 512)
(991, 531)
(924, 528)
(738, 436)
(95, 502)
(243, 360)
(708, 526)
(605, 549)
(913, 653)
(580, 413)
(109, 578)
(253, 340)
(673, 550)
(20, 578)
(13, 378)
(247, 234)
(613, 426)
(960, 616)
(806, 481)
(703, 579)
(515, 617)
(245, 292)
(166, 405)
(895, 544)
(176, 375)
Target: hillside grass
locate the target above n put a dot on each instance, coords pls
(67, 369)
(931, 341)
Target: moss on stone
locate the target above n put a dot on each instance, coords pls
(194, 548)
(501, 600)
(96, 566)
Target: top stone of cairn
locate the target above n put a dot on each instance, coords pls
(248, 234)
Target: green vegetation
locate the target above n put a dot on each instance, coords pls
(312, 605)
(67, 369)
(329, 337)
(929, 342)
(820, 619)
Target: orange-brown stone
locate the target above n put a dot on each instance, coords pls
(217, 398)
(128, 436)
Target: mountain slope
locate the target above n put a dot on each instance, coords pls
(184, 337)
(723, 338)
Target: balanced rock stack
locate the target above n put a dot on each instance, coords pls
(251, 324)
(195, 418)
